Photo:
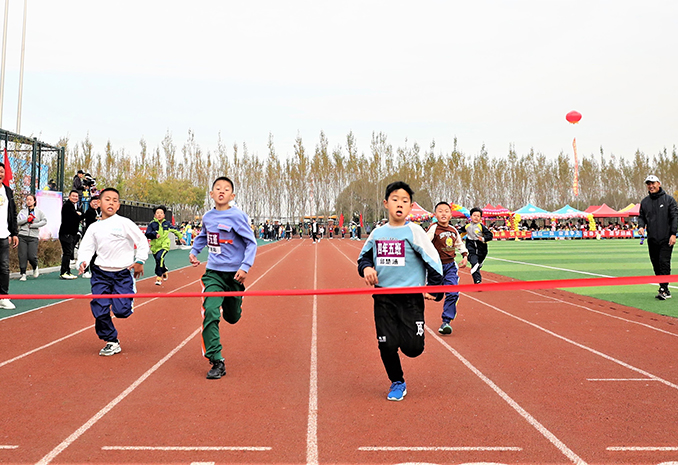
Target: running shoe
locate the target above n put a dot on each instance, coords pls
(445, 328)
(87, 275)
(7, 304)
(663, 294)
(111, 348)
(165, 276)
(36, 272)
(68, 276)
(398, 391)
(158, 281)
(23, 277)
(217, 371)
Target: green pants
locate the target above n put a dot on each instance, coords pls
(218, 281)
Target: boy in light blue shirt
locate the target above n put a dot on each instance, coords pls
(232, 247)
(399, 254)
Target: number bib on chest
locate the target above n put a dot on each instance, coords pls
(390, 253)
(213, 243)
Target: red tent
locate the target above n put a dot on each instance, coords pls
(419, 214)
(491, 212)
(592, 208)
(606, 212)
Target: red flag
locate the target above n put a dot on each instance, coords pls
(361, 220)
(8, 170)
(341, 220)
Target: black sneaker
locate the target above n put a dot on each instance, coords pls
(217, 371)
(663, 294)
(445, 328)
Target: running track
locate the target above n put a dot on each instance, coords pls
(527, 377)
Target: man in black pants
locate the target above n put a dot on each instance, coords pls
(659, 215)
(68, 233)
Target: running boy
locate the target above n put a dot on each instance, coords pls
(447, 241)
(158, 232)
(399, 254)
(232, 247)
(113, 239)
(477, 237)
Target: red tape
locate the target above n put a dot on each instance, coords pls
(484, 287)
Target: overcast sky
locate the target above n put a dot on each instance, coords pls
(493, 72)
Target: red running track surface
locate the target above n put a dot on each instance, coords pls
(527, 377)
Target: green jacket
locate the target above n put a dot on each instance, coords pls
(161, 230)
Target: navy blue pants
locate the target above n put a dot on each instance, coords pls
(110, 282)
(160, 268)
(450, 278)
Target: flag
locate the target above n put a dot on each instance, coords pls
(361, 220)
(341, 220)
(8, 170)
(575, 184)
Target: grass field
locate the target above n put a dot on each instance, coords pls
(571, 259)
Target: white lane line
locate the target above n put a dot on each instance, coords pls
(80, 431)
(644, 449)
(92, 421)
(566, 451)
(8, 447)
(562, 269)
(441, 448)
(576, 344)
(312, 428)
(188, 448)
(620, 379)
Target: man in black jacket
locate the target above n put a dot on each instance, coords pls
(9, 237)
(659, 216)
(68, 233)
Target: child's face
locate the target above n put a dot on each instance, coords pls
(398, 205)
(475, 217)
(110, 204)
(222, 194)
(159, 214)
(443, 214)
(94, 204)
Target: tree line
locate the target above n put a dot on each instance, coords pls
(350, 180)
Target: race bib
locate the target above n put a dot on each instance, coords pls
(390, 253)
(213, 243)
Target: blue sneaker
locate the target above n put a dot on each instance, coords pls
(397, 391)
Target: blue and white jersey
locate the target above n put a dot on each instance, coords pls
(402, 256)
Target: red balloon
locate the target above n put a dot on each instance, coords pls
(573, 117)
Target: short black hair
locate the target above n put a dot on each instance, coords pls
(441, 203)
(160, 207)
(394, 186)
(2, 164)
(224, 178)
(476, 209)
(80, 172)
(94, 197)
(73, 190)
(109, 189)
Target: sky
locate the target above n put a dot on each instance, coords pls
(498, 73)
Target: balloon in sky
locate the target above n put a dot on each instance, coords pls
(573, 117)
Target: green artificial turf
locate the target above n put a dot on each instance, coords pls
(576, 259)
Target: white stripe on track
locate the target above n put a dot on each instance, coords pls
(188, 448)
(581, 346)
(574, 458)
(92, 421)
(440, 448)
(312, 428)
(645, 449)
(8, 447)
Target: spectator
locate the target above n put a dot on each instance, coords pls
(71, 216)
(78, 185)
(8, 237)
(29, 221)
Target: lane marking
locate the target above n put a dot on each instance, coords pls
(187, 448)
(643, 449)
(620, 379)
(576, 344)
(312, 428)
(441, 448)
(92, 421)
(8, 447)
(562, 269)
(566, 451)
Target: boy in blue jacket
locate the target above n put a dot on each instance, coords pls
(399, 254)
(232, 247)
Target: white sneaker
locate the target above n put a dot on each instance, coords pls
(22, 278)
(87, 275)
(111, 348)
(36, 273)
(7, 304)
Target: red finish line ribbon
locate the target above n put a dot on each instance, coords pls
(484, 287)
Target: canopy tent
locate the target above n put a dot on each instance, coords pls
(631, 210)
(567, 212)
(530, 212)
(459, 212)
(592, 208)
(606, 212)
(491, 212)
(418, 213)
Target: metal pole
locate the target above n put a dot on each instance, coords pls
(4, 57)
(21, 72)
